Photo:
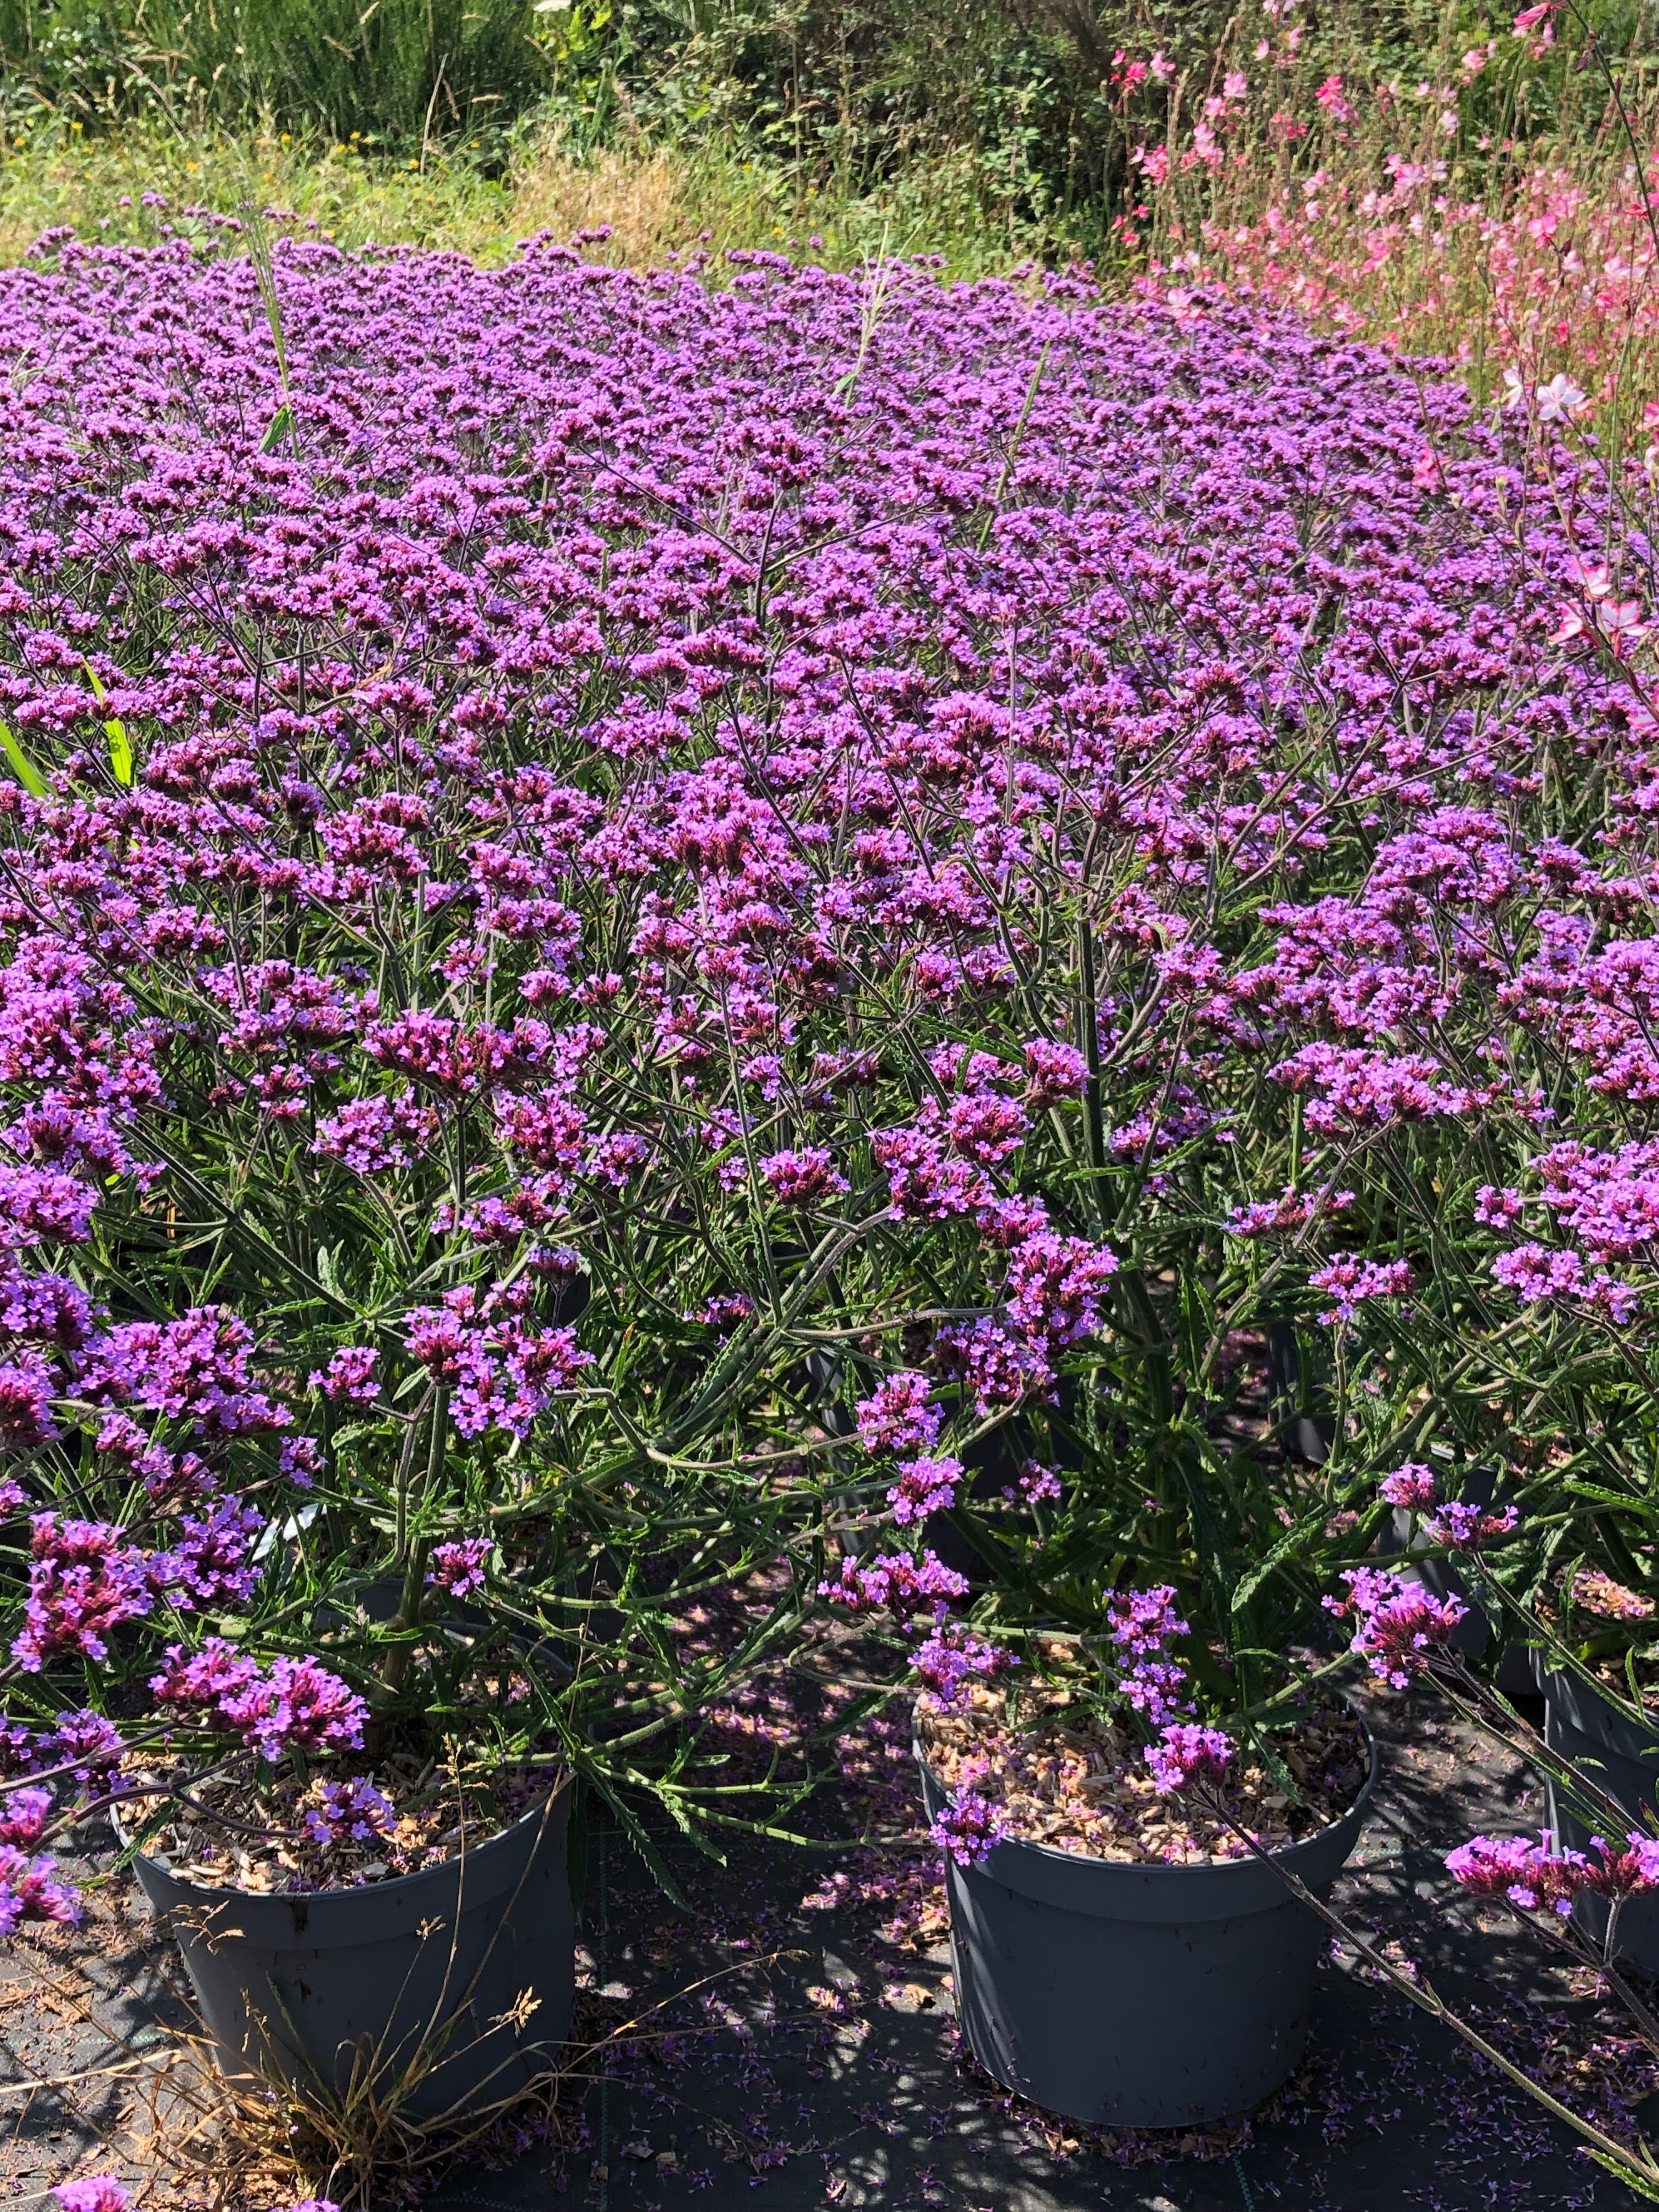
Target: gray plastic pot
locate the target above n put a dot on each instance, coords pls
(1138, 1996)
(1615, 1755)
(321, 1987)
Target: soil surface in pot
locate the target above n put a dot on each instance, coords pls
(243, 1829)
(1065, 1778)
(1614, 1630)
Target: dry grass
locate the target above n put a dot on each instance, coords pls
(651, 200)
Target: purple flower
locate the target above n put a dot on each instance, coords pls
(83, 1582)
(1055, 1287)
(1035, 1484)
(1542, 1877)
(953, 1659)
(298, 1706)
(1471, 1528)
(349, 1376)
(1143, 1623)
(1000, 1368)
(459, 1567)
(39, 1204)
(352, 1810)
(925, 1486)
(99, 2192)
(1399, 1626)
(299, 1461)
(1350, 1283)
(211, 1564)
(1410, 1485)
(1053, 1073)
(896, 1583)
(25, 1392)
(970, 1829)
(32, 1889)
(803, 1178)
(23, 1816)
(93, 1743)
(1187, 1757)
(898, 1416)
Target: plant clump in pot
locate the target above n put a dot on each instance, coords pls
(1126, 1952)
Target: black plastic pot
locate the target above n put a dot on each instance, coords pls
(1615, 1755)
(1133, 1996)
(325, 1987)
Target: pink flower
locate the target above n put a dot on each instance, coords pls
(896, 1583)
(460, 1566)
(1349, 1283)
(1399, 1626)
(970, 1829)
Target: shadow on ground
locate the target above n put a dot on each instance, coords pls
(818, 2065)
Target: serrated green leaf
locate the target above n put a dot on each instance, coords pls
(1274, 1557)
(1640, 2184)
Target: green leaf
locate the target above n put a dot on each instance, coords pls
(282, 423)
(1288, 1544)
(120, 753)
(1641, 2184)
(634, 1829)
(120, 750)
(28, 774)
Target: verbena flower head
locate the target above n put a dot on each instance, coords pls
(1186, 1757)
(970, 1829)
(342, 1811)
(1545, 1877)
(461, 1566)
(1412, 1485)
(1398, 1625)
(896, 1583)
(98, 2192)
(35, 1889)
(1468, 1528)
(953, 1659)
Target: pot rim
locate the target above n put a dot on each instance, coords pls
(1087, 1859)
(564, 1778)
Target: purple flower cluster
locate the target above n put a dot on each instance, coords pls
(685, 839)
(97, 2192)
(34, 1889)
(968, 1829)
(352, 1810)
(461, 1566)
(1547, 1877)
(953, 1659)
(292, 1706)
(1143, 1623)
(896, 1583)
(1187, 1757)
(1398, 1625)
